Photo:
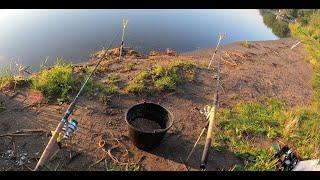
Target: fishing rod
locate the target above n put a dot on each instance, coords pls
(212, 119)
(221, 36)
(206, 113)
(69, 111)
(124, 26)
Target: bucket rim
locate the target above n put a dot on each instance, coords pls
(156, 130)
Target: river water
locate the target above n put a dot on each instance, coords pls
(30, 36)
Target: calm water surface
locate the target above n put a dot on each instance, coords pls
(29, 36)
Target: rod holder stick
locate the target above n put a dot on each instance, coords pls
(221, 36)
(125, 24)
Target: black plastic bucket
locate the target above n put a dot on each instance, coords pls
(153, 113)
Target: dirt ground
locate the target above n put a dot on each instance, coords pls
(268, 69)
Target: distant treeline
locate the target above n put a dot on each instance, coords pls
(280, 27)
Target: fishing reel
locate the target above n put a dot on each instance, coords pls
(206, 111)
(287, 158)
(67, 132)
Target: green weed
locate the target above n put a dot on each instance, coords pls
(247, 44)
(138, 84)
(56, 83)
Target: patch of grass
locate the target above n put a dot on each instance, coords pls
(138, 84)
(249, 129)
(247, 44)
(128, 66)
(111, 166)
(162, 77)
(255, 119)
(132, 167)
(56, 83)
(247, 121)
(303, 123)
(112, 79)
(103, 89)
(93, 88)
(165, 82)
(185, 68)
(10, 78)
(167, 77)
(302, 129)
(111, 82)
(103, 67)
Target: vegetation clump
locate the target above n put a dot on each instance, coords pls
(111, 82)
(250, 128)
(128, 66)
(111, 166)
(307, 29)
(10, 78)
(162, 77)
(56, 83)
(247, 44)
(138, 84)
(167, 77)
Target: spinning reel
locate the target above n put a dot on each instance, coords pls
(287, 158)
(67, 132)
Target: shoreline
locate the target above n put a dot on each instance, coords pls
(87, 59)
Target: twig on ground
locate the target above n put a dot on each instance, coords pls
(3, 135)
(10, 167)
(100, 160)
(295, 45)
(16, 133)
(27, 167)
(232, 169)
(53, 155)
(55, 169)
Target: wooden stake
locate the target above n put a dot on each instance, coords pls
(124, 23)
